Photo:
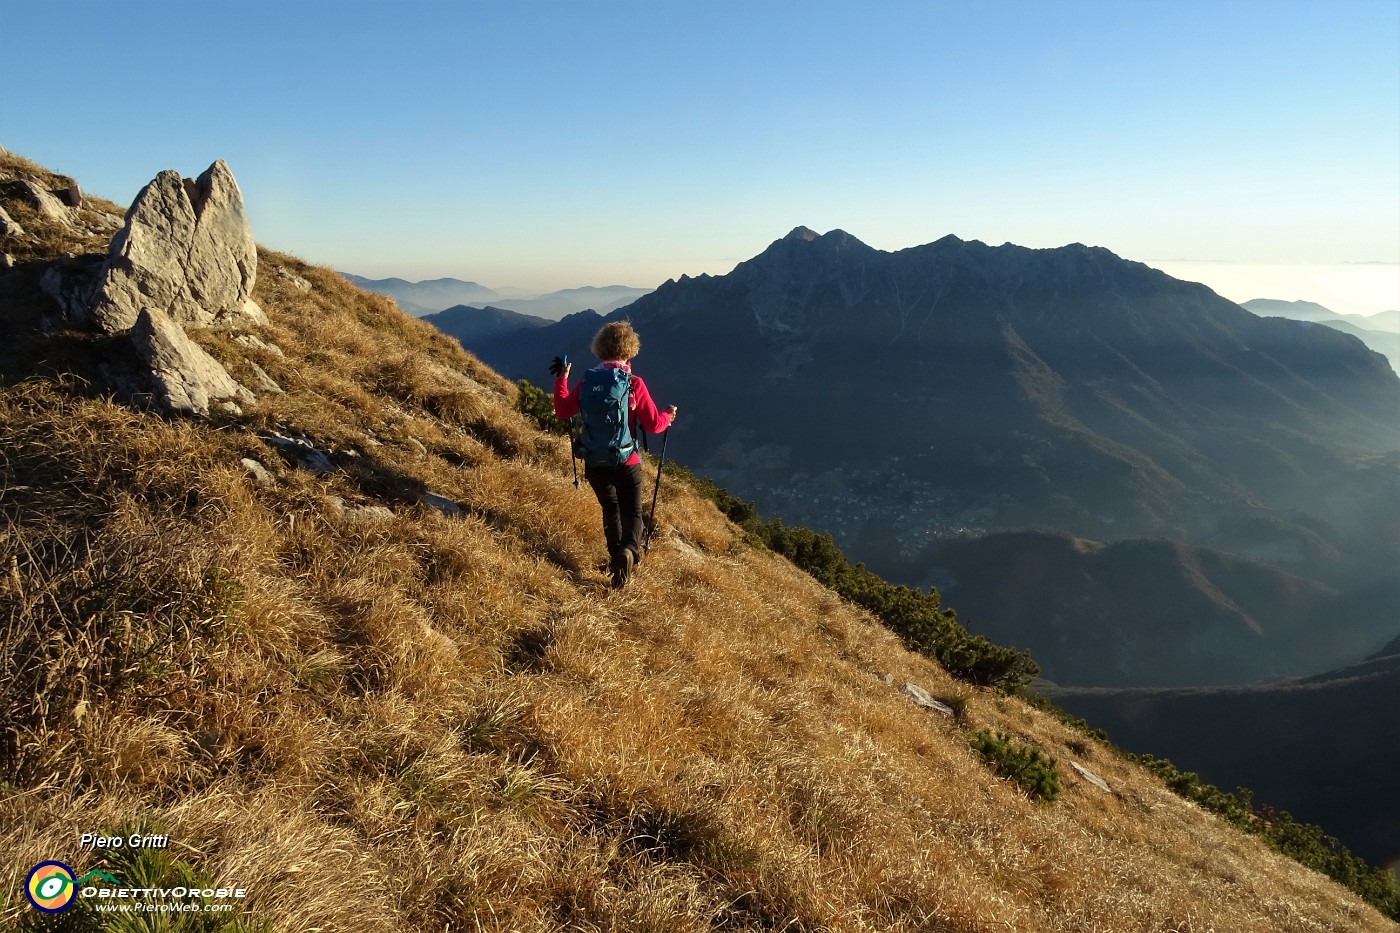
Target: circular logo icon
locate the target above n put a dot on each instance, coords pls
(50, 886)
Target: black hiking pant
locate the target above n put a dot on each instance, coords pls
(619, 492)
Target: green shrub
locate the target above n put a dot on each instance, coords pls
(1025, 764)
(538, 406)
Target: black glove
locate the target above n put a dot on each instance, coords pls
(556, 367)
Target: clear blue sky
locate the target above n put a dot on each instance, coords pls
(565, 143)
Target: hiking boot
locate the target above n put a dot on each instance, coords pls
(621, 569)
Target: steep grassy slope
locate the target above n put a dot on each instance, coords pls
(403, 720)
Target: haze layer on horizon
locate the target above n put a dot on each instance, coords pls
(1347, 288)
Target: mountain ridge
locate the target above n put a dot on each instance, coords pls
(464, 323)
(433, 296)
(1380, 332)
(428, 296)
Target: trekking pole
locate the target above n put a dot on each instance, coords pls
(559, 366)
(651, 522)
(573, 451)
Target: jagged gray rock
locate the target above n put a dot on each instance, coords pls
(443, 504)
(922, 697)
(302, 453)
(186, 378)
(263, 380)
(186, 247)
(364, 514)
(296, 281)
(40, 199)
(1091, 777)
(68, 282)
(8, 225)
(256, 343)
(257, 472)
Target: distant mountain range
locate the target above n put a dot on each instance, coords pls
(469, 325)
(1324, 748)
(556, 305)
(905, 400)
(421, 299)
(1380, 332)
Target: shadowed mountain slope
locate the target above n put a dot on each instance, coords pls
(904, 401)
(1198, 616)
(1380, 332)
(1392, 647)
(1325, 748)
(378, 710)
(466, 324)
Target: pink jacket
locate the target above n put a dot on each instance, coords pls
(645, 414)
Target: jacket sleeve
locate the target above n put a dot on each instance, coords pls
(565, 402)
(651, 420)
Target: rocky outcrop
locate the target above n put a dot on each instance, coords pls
(184, 256)
(186, 249)
(39, 199)
(68, 281)
(186, 379)
(8, 225)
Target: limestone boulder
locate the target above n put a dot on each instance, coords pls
(186, 248)
(8, 225)
(186, 379)
(223, 259)
(40, 199)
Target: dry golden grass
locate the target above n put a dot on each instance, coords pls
(452, 723)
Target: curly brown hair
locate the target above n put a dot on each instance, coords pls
(616, 341)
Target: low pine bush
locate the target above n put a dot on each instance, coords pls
(538, 406)
(1026, 765)
(1302, 842)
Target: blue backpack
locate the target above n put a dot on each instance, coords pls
(606, 439)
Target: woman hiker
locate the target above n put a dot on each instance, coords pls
(612, 403)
